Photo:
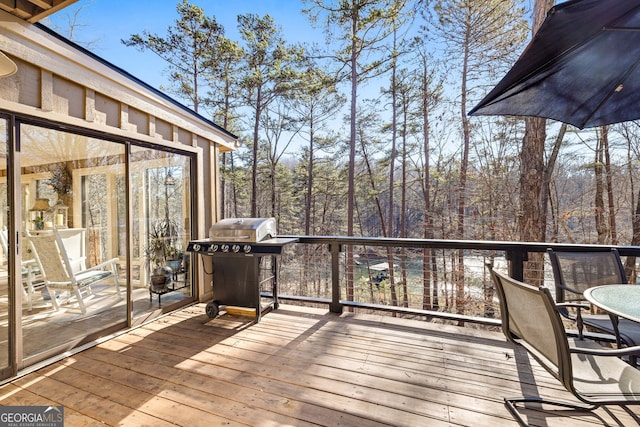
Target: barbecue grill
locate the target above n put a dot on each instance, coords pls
(242, 254)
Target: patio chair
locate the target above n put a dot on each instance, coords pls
(575, 272)
(31, 277)
(61, 272)
(595, 375)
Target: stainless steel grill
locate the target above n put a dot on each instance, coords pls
(246, 235)
(241, 255)
(243, 229)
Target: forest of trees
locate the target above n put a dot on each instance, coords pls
(366, 132)
(401, 156)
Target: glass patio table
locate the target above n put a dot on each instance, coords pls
(618, 301)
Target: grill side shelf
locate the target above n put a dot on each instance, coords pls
(269, 246)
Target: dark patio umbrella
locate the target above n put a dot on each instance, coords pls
(581, 67)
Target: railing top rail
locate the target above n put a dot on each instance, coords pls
(489, 245)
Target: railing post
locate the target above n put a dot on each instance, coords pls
(516, 258)
(335, 306)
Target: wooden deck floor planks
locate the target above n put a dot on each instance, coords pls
(298, 366)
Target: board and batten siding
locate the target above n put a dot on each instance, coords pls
(61, 82)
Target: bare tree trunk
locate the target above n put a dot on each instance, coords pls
(430, 265)
(308, 204)
(392, 163)
(254, 160)
(392, 277)
(234, 189)
(608, 177)
(352, 157)
(390, 258)
(464, 165)
(274, 205)
(392, 157)
(403, 208)
(548, 173)
(532, 222)
(225, 157)
(630, 262)
(223, 187)
(601, 227)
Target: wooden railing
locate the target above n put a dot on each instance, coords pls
(516, 253)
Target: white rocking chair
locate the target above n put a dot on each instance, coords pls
(62, 272)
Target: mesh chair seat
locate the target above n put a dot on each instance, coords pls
(628, 330)
(608, 383)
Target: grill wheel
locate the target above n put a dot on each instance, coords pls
(212, 309)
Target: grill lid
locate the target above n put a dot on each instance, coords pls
(243, 229)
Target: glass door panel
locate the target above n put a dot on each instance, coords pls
(70, 223)
(161, 190)
(6, 297)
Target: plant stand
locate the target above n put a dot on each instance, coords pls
(164, 283)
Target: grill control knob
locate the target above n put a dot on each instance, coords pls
(225, 248)
(214, 248)
(246, 249)
(236, 248)
(197, 247)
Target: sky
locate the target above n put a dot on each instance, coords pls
(105, 26)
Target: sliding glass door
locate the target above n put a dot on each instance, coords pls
(70, 226)
(101, 226)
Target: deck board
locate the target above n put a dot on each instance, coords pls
(298, 366)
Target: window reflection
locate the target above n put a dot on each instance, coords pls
(74, 195)
(161, 224)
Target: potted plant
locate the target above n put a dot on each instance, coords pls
(174, 258)
(160, 251)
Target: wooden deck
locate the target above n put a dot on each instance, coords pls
(297, 367)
